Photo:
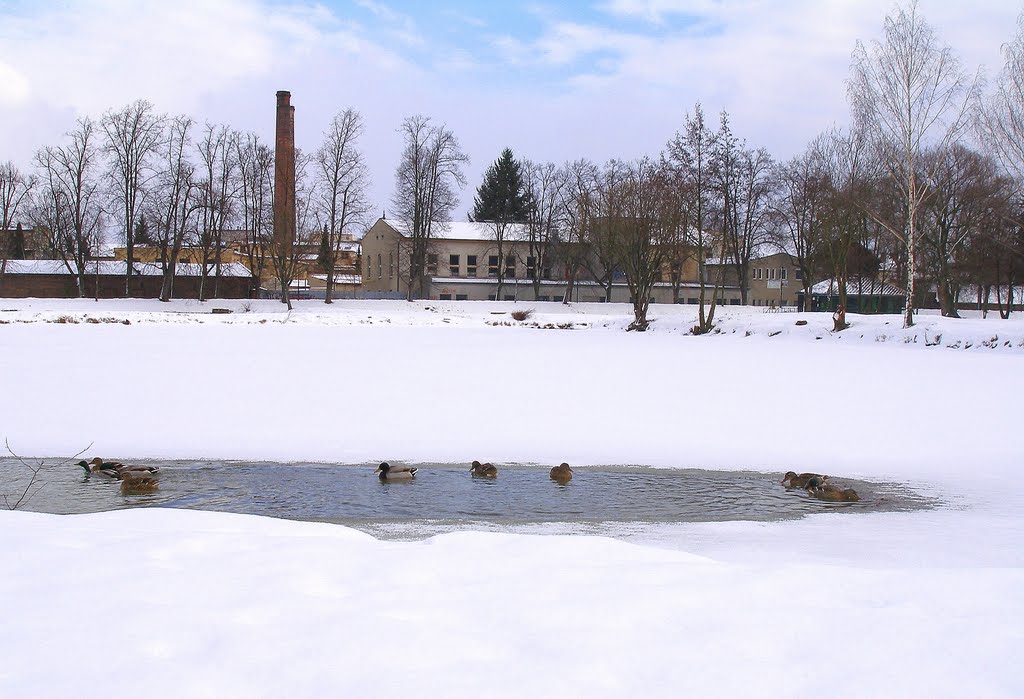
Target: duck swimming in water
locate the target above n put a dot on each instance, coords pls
(561, 473)
(793, 480)
(138, 483)
(113, 469)
(830, 493)
(483, 470)
(395, 473)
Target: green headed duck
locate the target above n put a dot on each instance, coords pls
(395, 473)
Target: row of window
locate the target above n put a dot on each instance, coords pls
(455, 266)
(773, 273)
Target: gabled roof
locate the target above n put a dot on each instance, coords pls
(466, 230)
(856, 285)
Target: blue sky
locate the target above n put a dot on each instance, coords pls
(552, 80)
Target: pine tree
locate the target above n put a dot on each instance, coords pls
(502, 196)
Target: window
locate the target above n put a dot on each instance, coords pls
(470, 265)
(446, 297)
(772, 274)
(734, 302)
(785, 273)
(369, 268)
(492, 266)
(391, 265)
(558, 299)
(453, 265)
(510, 267)
(461, 297)
(691, 300)
(432, 264)
(531, 267)
(757, 273)
(380, 267)
(510, 297)
(491, 297)
(799, 274)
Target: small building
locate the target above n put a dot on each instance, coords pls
(774, 281)
(862, 296)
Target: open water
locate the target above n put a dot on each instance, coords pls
(443, 497)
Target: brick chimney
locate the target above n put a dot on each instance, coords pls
(284, 174)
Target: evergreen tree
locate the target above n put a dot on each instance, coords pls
(502, 196)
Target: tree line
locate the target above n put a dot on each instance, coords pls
(924, 186)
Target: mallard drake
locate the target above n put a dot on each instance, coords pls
(818, 488)
(98, 469)
(395, 473)
(138, 483)
(793, 480)
(561, 473)
(483, 470)
(113, 469)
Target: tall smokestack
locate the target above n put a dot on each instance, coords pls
(284, 174)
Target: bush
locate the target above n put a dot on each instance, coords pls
(522, 315)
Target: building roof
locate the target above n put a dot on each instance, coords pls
(855, 285)
(118, 268)
(466, 230)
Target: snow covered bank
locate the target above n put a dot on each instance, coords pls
(175, 603)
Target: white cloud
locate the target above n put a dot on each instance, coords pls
(16, 89)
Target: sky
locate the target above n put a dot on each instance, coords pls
(551, 80)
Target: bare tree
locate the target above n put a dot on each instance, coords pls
(133, 135)
(69, 205)
(641, 224)
(798, 210)
(745, 183)
(286, 253)
(342, 202)
(690, 158)
(847, 180)
(426, 178)
(545, 184)
(174, 199)
(15, 189)
(908, 91)
(218, 155)
(256, 180)
(1001, 121)
(577, 204)
(964, 186)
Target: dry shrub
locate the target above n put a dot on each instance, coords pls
(522, 315)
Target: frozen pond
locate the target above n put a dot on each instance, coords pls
(444, 496)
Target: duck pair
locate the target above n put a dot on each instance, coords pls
(561, 474)
(135, 480)
(817, 486)
(114, 469)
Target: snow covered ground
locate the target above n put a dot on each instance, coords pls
(184, 603)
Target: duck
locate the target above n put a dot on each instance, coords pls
(113, 469)
(138, 483)
(395, 473)
(483, 470)
(97, 469)
(829, 492)
(793, 480)
(562, 473)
